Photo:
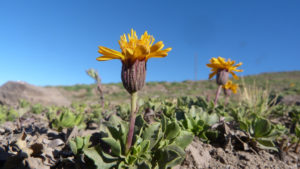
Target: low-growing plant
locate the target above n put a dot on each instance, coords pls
(261, 133)
(37, 109)
(157, 145)
(24, 103)
(199, 122)
(123, 111)
(78, 144)
(3, 113)
(297, 133)
(8, 114)
(68, 119)
(79, 107)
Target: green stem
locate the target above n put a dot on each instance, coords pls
(134, 97)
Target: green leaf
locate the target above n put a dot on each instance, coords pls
(114, 145)
(114, 120)
(78, 119)
(297, 130)
(170, 156)
(163, 123)
(261, 127)
(184, 139)
(98, 161)
(212, 119)
(172, 130)
(139, 123)
(73, 146)
(107, 157)
(79, 142)
(187, 123)
(114, 132)
(144, 165)
(86, 141)
(151, 133)
(244, 126)
(265, 143)
(145, 144)
(212, 135)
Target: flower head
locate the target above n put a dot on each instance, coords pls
(218, 64)
(231, 86)
(134, 55)
(133, 49)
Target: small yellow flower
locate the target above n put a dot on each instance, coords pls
(134, 48)
(292, 85)
(231, 86)
(220, 64)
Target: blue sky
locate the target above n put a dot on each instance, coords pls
(53, 42)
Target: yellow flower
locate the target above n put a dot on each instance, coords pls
(220, 64)
(134, 48)
(230, 86)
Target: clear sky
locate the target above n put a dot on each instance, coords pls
(53, 42)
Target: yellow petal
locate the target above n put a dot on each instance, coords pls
(159, 54)
(110, 52)
(107, 57)
(211, 75)
(221, 60)
(238, 70)
(239, 64)
(234, 76)
(156, 47)
(129, 51)
(213, 65)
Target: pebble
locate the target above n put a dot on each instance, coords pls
(46, 141)
(55, 143)
(2, 130)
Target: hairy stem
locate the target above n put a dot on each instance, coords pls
(99, 87)
(217, 94)
(134, 97)
(226, 100)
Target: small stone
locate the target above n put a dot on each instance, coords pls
(2, 130)
(92, 126)
(55, 143)
(46, 141)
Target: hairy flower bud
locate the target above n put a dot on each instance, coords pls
(222, 76)
(227, 92)
(133, 75)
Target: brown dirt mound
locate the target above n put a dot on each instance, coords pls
(11, 93)
(201, 155)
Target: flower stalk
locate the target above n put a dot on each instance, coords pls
(134, 97)
(94, 74)
(227, 93)
(134, 55)
(217, 95)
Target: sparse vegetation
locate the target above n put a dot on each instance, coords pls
(256, 119)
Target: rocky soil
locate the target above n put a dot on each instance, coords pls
(30, 143)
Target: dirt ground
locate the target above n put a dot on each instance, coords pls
(44, 148)
(30, 143)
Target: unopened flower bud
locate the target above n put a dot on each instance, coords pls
(227, 92)
(222, 76)
(133, 75)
